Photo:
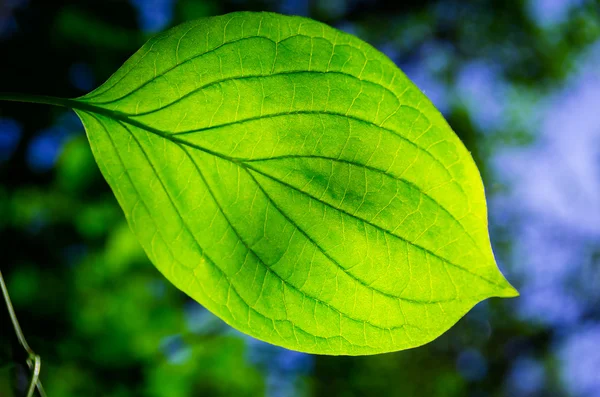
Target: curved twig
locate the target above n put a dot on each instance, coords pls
(34, 361)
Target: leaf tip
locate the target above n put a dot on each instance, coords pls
(508, 291)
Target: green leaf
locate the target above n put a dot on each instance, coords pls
(290, 178)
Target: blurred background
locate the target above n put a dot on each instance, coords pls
(519, 81)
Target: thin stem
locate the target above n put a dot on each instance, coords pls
(34, 361)
(13, 318)
(41, 99)
(37, 366)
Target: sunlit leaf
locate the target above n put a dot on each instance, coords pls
(291, 179)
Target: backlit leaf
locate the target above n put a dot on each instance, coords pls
(291, 179)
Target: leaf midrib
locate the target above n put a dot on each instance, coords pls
(272, 115)
(84, 106)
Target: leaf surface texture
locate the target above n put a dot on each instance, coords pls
(290, 178)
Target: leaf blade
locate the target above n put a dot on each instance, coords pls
(290, 178)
